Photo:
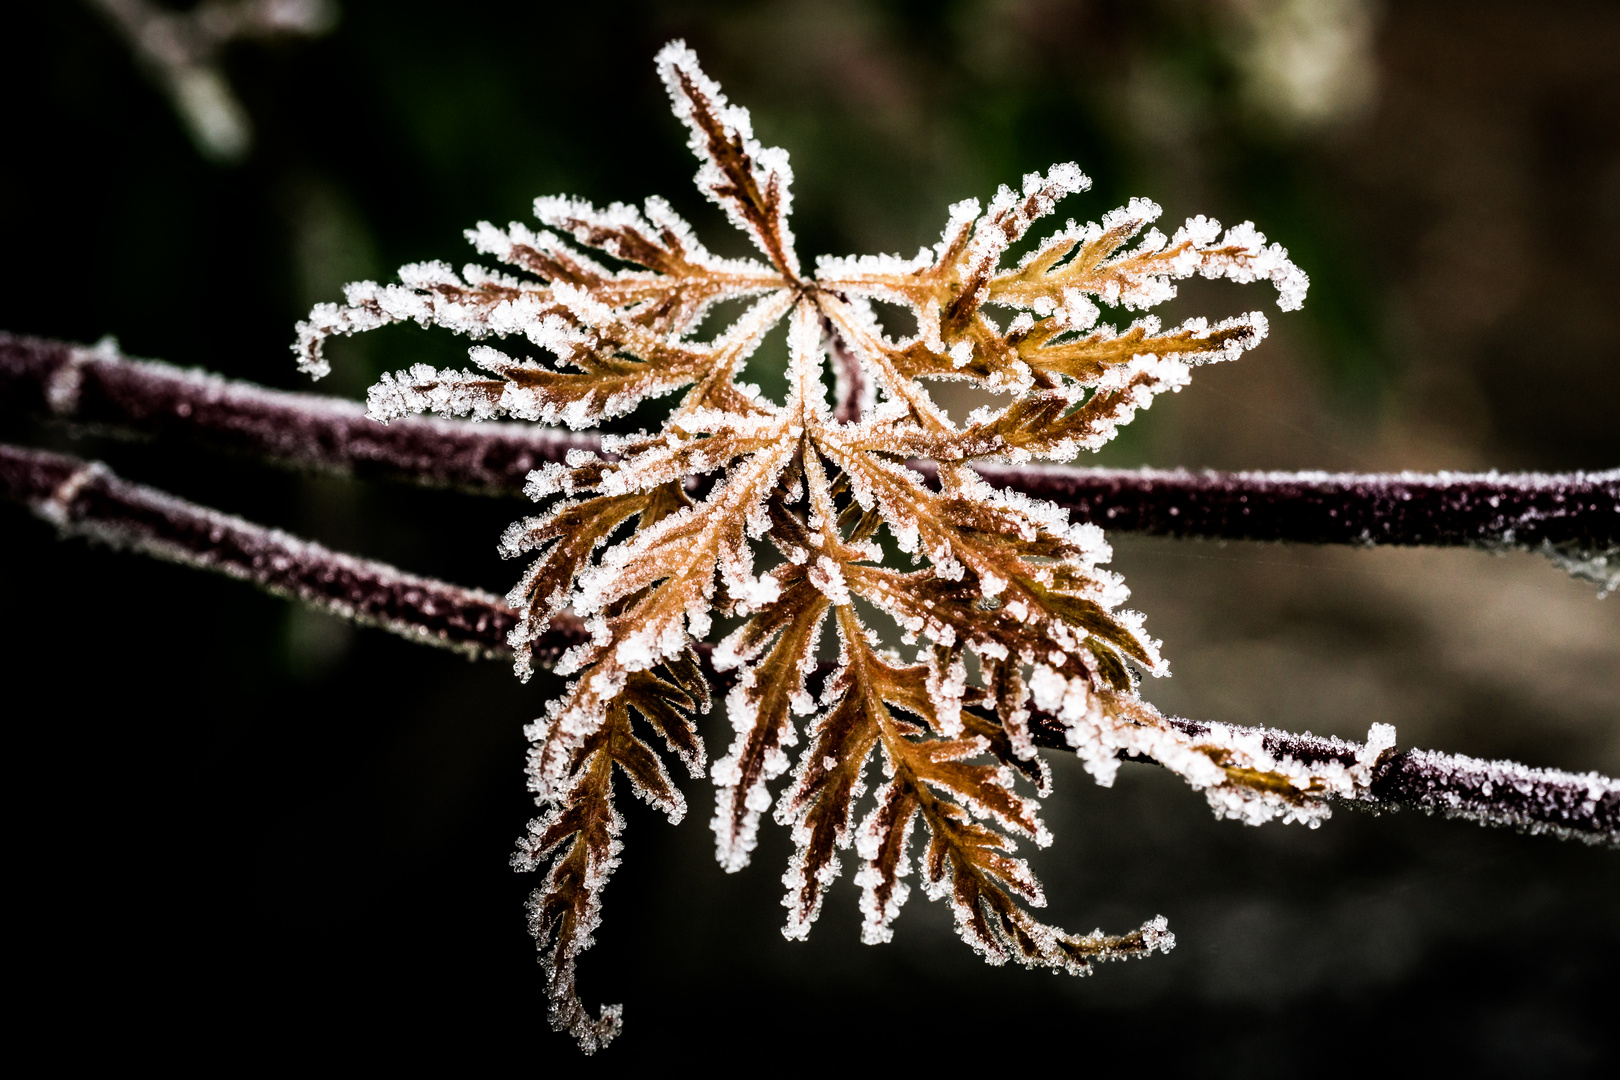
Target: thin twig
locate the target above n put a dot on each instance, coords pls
(100, 388)
(1574, 517)
(1518, 510)
(849, 376)
(180, 52)
(85, 499)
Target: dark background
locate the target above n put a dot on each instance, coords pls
(236, 823)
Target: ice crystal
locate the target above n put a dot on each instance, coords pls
(1000, 575)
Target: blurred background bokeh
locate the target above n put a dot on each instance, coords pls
(238, 821)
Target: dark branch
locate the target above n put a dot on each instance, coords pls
(85, 499)
(849, 376)
(102, 389)
(1570, 806)
(1573, 517)
(1523, 510)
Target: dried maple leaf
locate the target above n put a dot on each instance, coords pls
(1001, 577)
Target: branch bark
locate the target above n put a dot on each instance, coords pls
(849, 376)
(102, 389)
(85, 499)
(1574, 517)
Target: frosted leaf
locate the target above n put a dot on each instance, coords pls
(882, 842)
(750, 182)
(660, 534)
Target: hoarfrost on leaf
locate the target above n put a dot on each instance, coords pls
(1003, 576)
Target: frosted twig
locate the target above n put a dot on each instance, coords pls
(85, 499)
(102, 388)
(1575, 517)
(852, 387)
(1570, 806)
(1516, 510)
(180, 50)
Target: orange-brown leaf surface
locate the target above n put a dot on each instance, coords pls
(1005, 602)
